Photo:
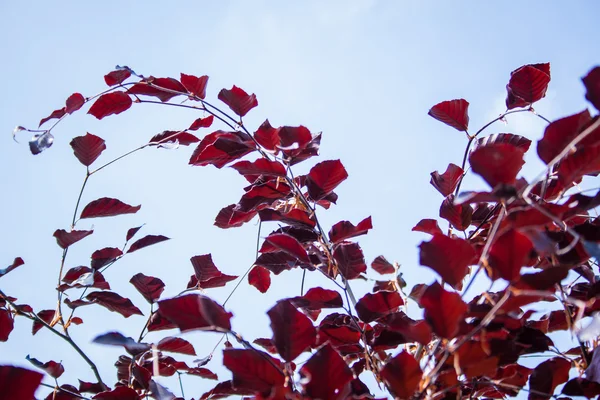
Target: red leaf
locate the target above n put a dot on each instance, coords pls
(266, 344)
(65, 239)
(446, 183)
(201, 123)
(220, 148)
(148, 286)
(458, 215)
(262, 166)
(260, 278)
(558, 134)
(225, 389)
(116, 77)
(253, 370)
(402, 374)
(228, 217)
(382, 266)
(328, 375)
(592, 85)
(293, 332)
(6, 324)
(318, 298)
(267, 136)
(509, 253)
(429, 226)
(146, 241)
(104, 256)
(154, 87)
(585, 160)
(194, 311)
(238, 100)
(286, 243)
(88, 148)
(45, 315)
(203, 373)
(195, 85)
(110, 103)
(295, 217)
(18, 261)
(207, 274)
(176, 345)
(376, 305)
(182, 137)
(410, 330)
(131, 233)
(527, 85)
(345, 230)
(293, 140)
(497, 163)
(350, 260)
(452, 112)
(107, 207)
(516, 140)
(443, 310)
(324, 177)
(18, 383)
(263, 193)
(114, 302)
(119, 393)
(449, 257)
(83, 277)
(548, 375)
(56, 114)
(52, 368)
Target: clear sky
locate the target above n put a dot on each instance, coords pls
(365, 72)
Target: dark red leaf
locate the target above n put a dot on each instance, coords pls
(159, 323)
(286, 243)
(229, 217)
(253, 370)
(18, 383)
(443, 310)
(201, 123)
(52, 368)
(509, 253)
(114, 302)
(527, 85)
(516, 140)
(154, 87)
(340, 337)
(318, 298)
(277, 262)
(260, 278)
(345, 230)
(176, 345)
(45, 315)
(585, 160)
(373, 306)
(382, 266)
(56, 114)
(90, 387)
(207, 274)
(410, 330)
(452, 112)
(267, 136)
(458, 215)
(7, 324)
(116, 77)
(293, 332)
(195, 85)
(558, 134)
(107, 207)
(105, 256)
(88, 148)
(429, 226)
(295, 217)
(324, 177)
(79, 277)
(148, 286)
(146, 241)
(266, 344)
(65, 239)
(18, 261)
(548, 375)
(446, 183)
(74, 103)
(350, 260)
(581, 387)
(110, 103)
(203, 373)
(402, 374)
(131, 233)
(592, 85)
(263, 194)
(497, 163)
(182, 137)
(194, 311)
(262, 166)
(238, 100)
(220, 148)
(225, 389)
(119, 393)
(328, 375)
(449, 257)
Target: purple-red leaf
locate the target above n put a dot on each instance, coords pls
(449, 257)
(65, 239)
(293, 332)
(18, 261)
(116, 77)
(260, 278)
(6, 324)
(18, 383)
(52, 368)
(458, 215)
(146, 241)
(114, 302)
(56, 114)
(286, 243)
(324, 177)
(220, 148)
(194, 311)
(373, 306)
(296, 217)
(181, 137)
(262, 166)
(148, 286)
(176, 345)
(509, 253)
(207, 274)
(195, 85)
(446, 183)
(345, 230)
(443, 310)
(45, 315)
(429, 226)
(318, 298)
(155, 87)
(382, 266)
(107, 207)
(201, 123)
(88, 148)
(548, 375)
(558, 134)
(592, 85)
(402, 374)
(110, 103)
(497, 163)
(104, 256)
(452, 112)
(328, 375)
(350, 260)
(527, 85)
(229, 217)
(253, 370)
(238, 100)
(131, 233)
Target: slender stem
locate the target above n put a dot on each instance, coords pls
(119, 158)
(180, 384)
(302, 284)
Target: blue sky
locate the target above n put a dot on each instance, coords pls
(365, 72)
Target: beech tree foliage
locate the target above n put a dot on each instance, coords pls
(536, 238)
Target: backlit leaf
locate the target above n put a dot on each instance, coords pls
(146, 241)
(6, 324)
(449, 257)
(207, 274)
(88, 148)
(109, 104)
(18, 383)
(548, 375)
(195, 85)
(324, 177)
(453, 113)
(18, 261)
(260, 278)
(345, 230)
(253, 370)
(327, 374)
(238, 100)
(429, 226)
(148, 286)
(116, 77)
(176, 345)
(107, 207)
(350, 260)
(373, 306)
(286, 243)
(114, 302)
(74, 103)
(402, 374)
(497, 163)
(592, 85)
(194, 311)
(527, 85)
(154, 87)
(65, 239)
(52, 368)
(509, 253)
(443, 310)
(446, 183)
(293, 332)
(201, 123)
